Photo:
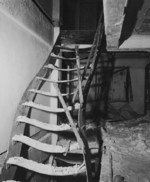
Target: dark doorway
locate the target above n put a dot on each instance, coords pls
(80, 14)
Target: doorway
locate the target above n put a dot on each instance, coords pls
(80, 14)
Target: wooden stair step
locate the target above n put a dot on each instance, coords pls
(45, 108)
(72, 47)
(38, 145)
(67, 59)
(65, 48)
(57, 81)
(73, 148)
(44, 126)
(10, 181)
(46, 169)
(50, 66)
(61, 57)
(80, 46)
(49, 94)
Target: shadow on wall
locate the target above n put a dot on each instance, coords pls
(99, 91)
(111, 89)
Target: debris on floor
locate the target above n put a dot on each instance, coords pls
(126, 151)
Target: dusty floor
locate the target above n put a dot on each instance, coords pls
(126, 150)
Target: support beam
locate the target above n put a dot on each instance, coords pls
(113, 18)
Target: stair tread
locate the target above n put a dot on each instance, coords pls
(57, 81)
(44, 126)
(68, 59)
(10, 181)
(73, 148)
(50, 94)
(61, 57)
(72, 47)
(46, 169)
(45, 108)
(60, 69)
(38, 145)
(80, 46)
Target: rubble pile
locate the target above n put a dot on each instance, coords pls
(126, 151)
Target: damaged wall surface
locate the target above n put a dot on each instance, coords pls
(113, 17)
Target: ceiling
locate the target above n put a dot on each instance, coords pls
(127, 25)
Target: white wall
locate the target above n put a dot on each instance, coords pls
(25, 42)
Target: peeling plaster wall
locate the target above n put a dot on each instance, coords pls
(26, 39)
(113, 18)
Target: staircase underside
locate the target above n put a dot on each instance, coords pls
(60, 148)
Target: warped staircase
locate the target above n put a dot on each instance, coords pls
(73, 154)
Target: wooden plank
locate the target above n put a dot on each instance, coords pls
(49, 94)
(68, 59)
(113, 18)
(45, 108)
(92, 55)
(46, 169)
(79, 75)
(58, 149)
(44, 126)
(69, 117)
(59, 81)
(11, 181)
(50, 66)
(71, 48)
(61, 57)
(82, 143)
(77, 36)
(38, 145)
